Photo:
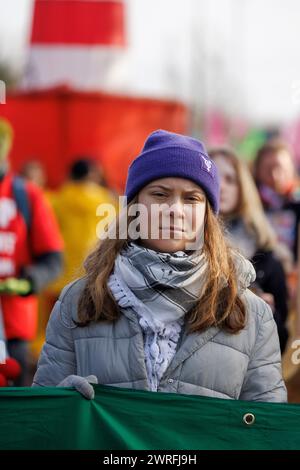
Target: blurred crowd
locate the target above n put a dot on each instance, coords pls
(45, 236)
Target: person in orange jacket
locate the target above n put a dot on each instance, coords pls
(30, 253)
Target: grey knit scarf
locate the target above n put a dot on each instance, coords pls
(161, 288)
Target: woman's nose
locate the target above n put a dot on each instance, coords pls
(177, 208)
(223, 187)
(174, 212)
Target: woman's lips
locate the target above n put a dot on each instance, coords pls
(172, 229)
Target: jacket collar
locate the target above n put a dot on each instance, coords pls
(191, 342)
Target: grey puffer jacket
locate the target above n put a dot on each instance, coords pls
(245, 366)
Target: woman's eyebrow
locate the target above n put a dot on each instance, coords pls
(161, 186)
(195, 191)
(167, 188)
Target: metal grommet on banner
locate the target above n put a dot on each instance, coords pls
(249, 419)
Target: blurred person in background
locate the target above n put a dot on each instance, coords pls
(279, 188)
(33, 170)
(249, 230)
(30, 253)
(75, 205)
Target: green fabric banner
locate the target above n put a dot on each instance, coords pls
(56, 418)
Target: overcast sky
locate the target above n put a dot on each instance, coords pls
(243, 54)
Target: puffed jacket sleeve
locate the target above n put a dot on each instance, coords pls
(263, 380)
(57, 359)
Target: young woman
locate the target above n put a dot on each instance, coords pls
(250, 232)
(168, 309)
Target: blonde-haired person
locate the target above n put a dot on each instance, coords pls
(249, 230)
(167, 308)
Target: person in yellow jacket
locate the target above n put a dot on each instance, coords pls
(75, 206)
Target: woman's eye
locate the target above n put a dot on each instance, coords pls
(158, 194)
(194, 199)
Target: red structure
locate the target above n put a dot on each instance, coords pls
(55, 126)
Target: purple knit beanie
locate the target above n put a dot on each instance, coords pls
(166, 154)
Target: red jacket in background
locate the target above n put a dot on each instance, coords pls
(18, 247)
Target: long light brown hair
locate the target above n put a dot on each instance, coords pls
(218, 306)
(249, 207)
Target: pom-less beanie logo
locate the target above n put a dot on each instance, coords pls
(206, 164)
